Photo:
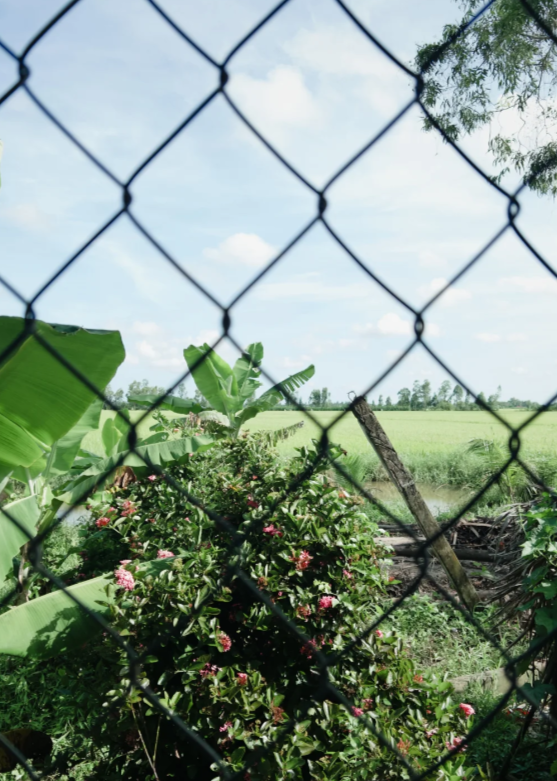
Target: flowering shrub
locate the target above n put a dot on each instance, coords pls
(231, 668)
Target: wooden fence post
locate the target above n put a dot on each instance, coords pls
(406, 486)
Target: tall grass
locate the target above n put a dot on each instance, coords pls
(456, 468)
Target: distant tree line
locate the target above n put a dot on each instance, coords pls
(120, 398)
(420, 397)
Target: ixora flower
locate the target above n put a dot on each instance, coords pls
(100, 522)
(252, 502)
(347, 574)
(325, 603)
(308, 648)
(126, 561)
(272, 531)
(152, 478)
(302, 561)
(225, 641)
(164, 554)
(455, 744)
(304, 611)
(209, 670)
(125, 579)
(357, 712)
(378, 633)
(128, 508)
(403, 746)
(468, 710)
(242, 679)
(225, 727)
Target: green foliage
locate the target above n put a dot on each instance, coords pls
(313, 544)
(440, 638)
(230, 390)
(40, 399)
(54, 623)
(502, 62)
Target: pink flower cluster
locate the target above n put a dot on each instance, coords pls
(455, 744)
(325, 603)
(367, 702)
(468, 710)
(347, 574)
(242, 679)
(357, 712)
(302, 561)
(102, 522)
(312, 645)
(125, 579)
(272, 531)
(209, 670)
(378, 633)
(152, 478)
(128, 508)
(225, 641)
(429, 733)
(164, 554)
(304, 611)
(252, 502)
(225, 727)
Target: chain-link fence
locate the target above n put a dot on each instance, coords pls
(323, 687)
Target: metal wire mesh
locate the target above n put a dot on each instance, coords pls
(324, 662)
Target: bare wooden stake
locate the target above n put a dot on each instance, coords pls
(406, 486)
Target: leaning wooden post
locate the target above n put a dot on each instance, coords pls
(404, 481)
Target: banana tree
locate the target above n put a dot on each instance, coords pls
(228, 390)
(45, 411)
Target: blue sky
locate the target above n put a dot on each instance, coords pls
(223, 206)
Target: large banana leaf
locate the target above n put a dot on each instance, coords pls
(41, 399)
(274, 395)
(172, 403)
(26, 512)
(53, 624)
(65, 450)
(174, 451)
(214, 378)
(246, 370)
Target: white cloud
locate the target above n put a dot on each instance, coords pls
(544, 284)
(429, 259)
(161, 353)
(282, 99)
(310, 291)
(28, 215)
(247, 248)
(345, 52)
(519, 370)
(150, 284)
(296, 364)
(392, 324)
(146, 328)
(207, 336)
(516, 338)
(450, 297)
(487, 337)
(332, 51)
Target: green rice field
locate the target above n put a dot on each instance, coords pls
(417, 432)
(433, 445)
(410, 432)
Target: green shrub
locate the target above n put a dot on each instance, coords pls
(223, 661)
